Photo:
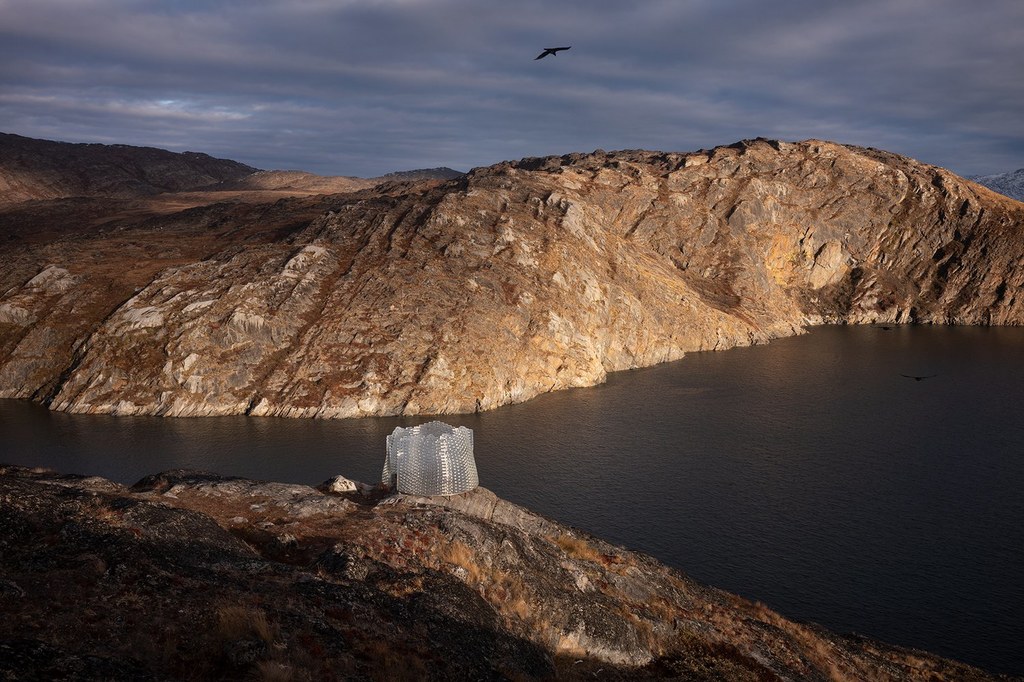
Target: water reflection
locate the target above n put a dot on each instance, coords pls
(808, 474)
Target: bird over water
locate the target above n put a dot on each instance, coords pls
(550, 50)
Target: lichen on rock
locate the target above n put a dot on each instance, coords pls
(191, 574)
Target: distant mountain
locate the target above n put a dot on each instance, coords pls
(442, 173)
(32, 169)
(1010, 184)
(43, 169)
(299, 181)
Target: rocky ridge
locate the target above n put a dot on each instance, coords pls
(198, 576)
(41, 169)
(488, 289)
(440, 173)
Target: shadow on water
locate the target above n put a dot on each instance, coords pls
(808, 474)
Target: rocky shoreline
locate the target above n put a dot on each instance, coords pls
(491, 288)
(191, 575)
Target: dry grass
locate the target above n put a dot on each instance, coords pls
(822, 653)
(664, 610)
(241, 622)
(507, 592)
(460, 554)
(512, 597)
(578, 548)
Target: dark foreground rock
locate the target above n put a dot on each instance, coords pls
(194, 576)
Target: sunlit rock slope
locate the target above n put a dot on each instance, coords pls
(491, 288)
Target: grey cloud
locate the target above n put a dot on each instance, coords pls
(368, 87)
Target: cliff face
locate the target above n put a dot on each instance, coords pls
(514, 280)
(190, 575)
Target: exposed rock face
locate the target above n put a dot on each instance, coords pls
(191, 575)
(41, 169)
(489, 289)
(1011, 184)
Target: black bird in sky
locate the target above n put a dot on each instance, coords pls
(917, 378)
(550, 50)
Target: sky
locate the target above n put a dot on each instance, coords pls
(347, 87)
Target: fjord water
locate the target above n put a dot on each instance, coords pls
(807, 474)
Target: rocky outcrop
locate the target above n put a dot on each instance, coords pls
(40, 169)
(192, 575)
(489, 289)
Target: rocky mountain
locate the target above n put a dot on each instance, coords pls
(491, 288)
(442, 173)
(41, 169)
(298, 182)
(194, 576)
(1010, 184)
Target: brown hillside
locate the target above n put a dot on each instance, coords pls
(41, 169)
(514, 280)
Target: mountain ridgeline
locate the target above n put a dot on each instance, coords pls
(40, 169)
(490, 288)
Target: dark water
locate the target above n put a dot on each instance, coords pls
(807, 474)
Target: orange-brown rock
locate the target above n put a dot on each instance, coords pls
(517, 279)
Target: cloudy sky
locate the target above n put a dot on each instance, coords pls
(364, 87)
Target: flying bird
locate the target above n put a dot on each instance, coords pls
(550, 50)
(917, 378)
